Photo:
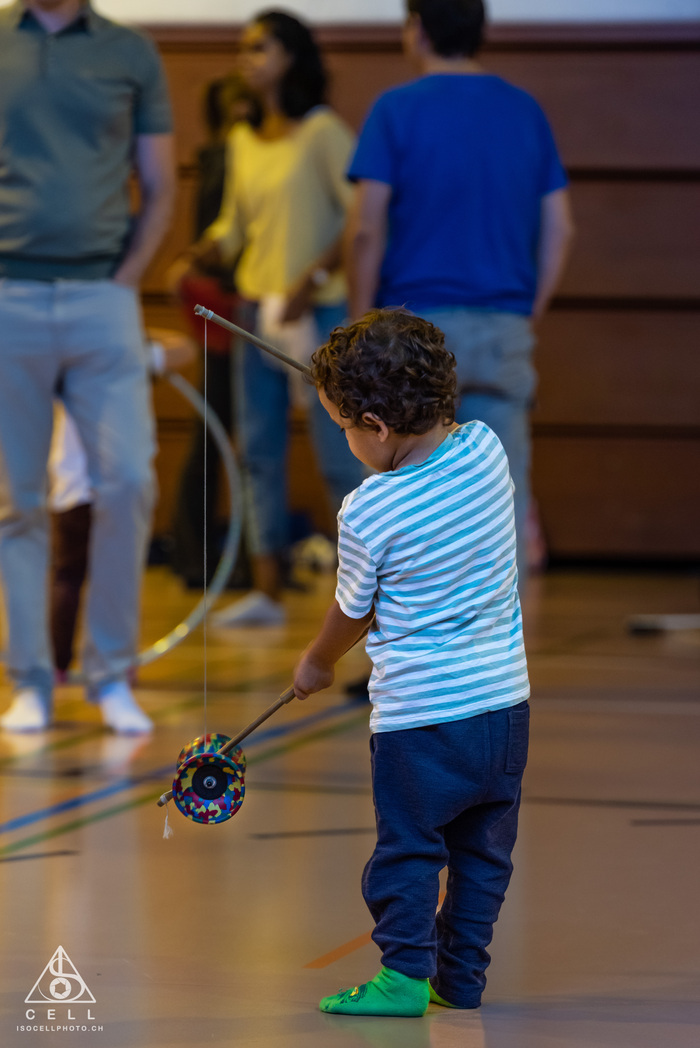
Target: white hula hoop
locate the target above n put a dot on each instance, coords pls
(228, 555)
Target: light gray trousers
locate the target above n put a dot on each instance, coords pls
(496, 383)
(88, 335)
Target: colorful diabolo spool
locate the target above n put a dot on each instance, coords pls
(209, 787)
(210, 743)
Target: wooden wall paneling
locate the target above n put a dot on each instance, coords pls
(170, 405)
(618, 367)
(616, 424)
(160, 310)
(173, 444)
(636, 239)
(357, 79)
(177, 239)
(612, 498)
(189, 73)
(618, 97)
(612, 109)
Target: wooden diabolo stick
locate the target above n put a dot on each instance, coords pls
(202, 311)
(284, 698)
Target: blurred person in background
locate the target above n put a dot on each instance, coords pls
(281, 222)
(83, 103)
(462, 215)
(226, 101)
(70, 503)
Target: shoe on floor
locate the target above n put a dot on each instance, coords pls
(257, 609)
(29, 712)
(120, 710)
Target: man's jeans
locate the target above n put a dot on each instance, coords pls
(88, 336)
(263, 401)
(496, 383)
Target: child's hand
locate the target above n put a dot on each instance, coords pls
(311, 676)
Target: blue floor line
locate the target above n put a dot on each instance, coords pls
(161, 773)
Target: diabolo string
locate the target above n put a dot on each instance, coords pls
(167, 829)
(204, 528)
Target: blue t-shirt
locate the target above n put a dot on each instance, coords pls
(469, 158)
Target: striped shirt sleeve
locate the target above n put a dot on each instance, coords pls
(357, 574)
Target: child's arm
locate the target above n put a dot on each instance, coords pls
(316, 667)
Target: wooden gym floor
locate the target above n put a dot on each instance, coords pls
(228, 935)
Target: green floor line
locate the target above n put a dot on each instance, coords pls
(318, 733)
(68, 827)
(152, 797)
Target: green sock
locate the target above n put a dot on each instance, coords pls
(437, 999)
(388, 993)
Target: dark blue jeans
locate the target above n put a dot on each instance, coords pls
(262, 410)
(445, 795)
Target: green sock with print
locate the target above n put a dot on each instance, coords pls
(388, 993)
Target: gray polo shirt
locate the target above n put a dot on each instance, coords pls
(71, 105)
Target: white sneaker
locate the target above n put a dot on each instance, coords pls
(316, 553)
(257, 609)
(29, 712)
(120, 710)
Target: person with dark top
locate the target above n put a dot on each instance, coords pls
(225, 102)
(83, 103)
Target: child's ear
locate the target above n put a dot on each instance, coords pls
(378, 425)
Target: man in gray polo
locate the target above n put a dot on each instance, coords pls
(83, 102)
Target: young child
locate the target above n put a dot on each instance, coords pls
(427, 550)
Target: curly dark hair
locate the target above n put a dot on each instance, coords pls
(392, 364)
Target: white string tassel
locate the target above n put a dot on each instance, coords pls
(167, 829)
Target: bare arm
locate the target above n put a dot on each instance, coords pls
(556, 233)
(156, 174)
(315, 669)
(300, 295)
(365, 243)
(205, 252)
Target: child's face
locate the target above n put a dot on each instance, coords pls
(370, 446)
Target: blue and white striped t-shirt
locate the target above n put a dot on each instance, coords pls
(432, 547)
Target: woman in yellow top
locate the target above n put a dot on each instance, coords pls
(281, 220)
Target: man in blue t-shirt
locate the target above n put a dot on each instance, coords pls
(462, 215)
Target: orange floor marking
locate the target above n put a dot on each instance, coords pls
(342, 951)
(349, 947)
